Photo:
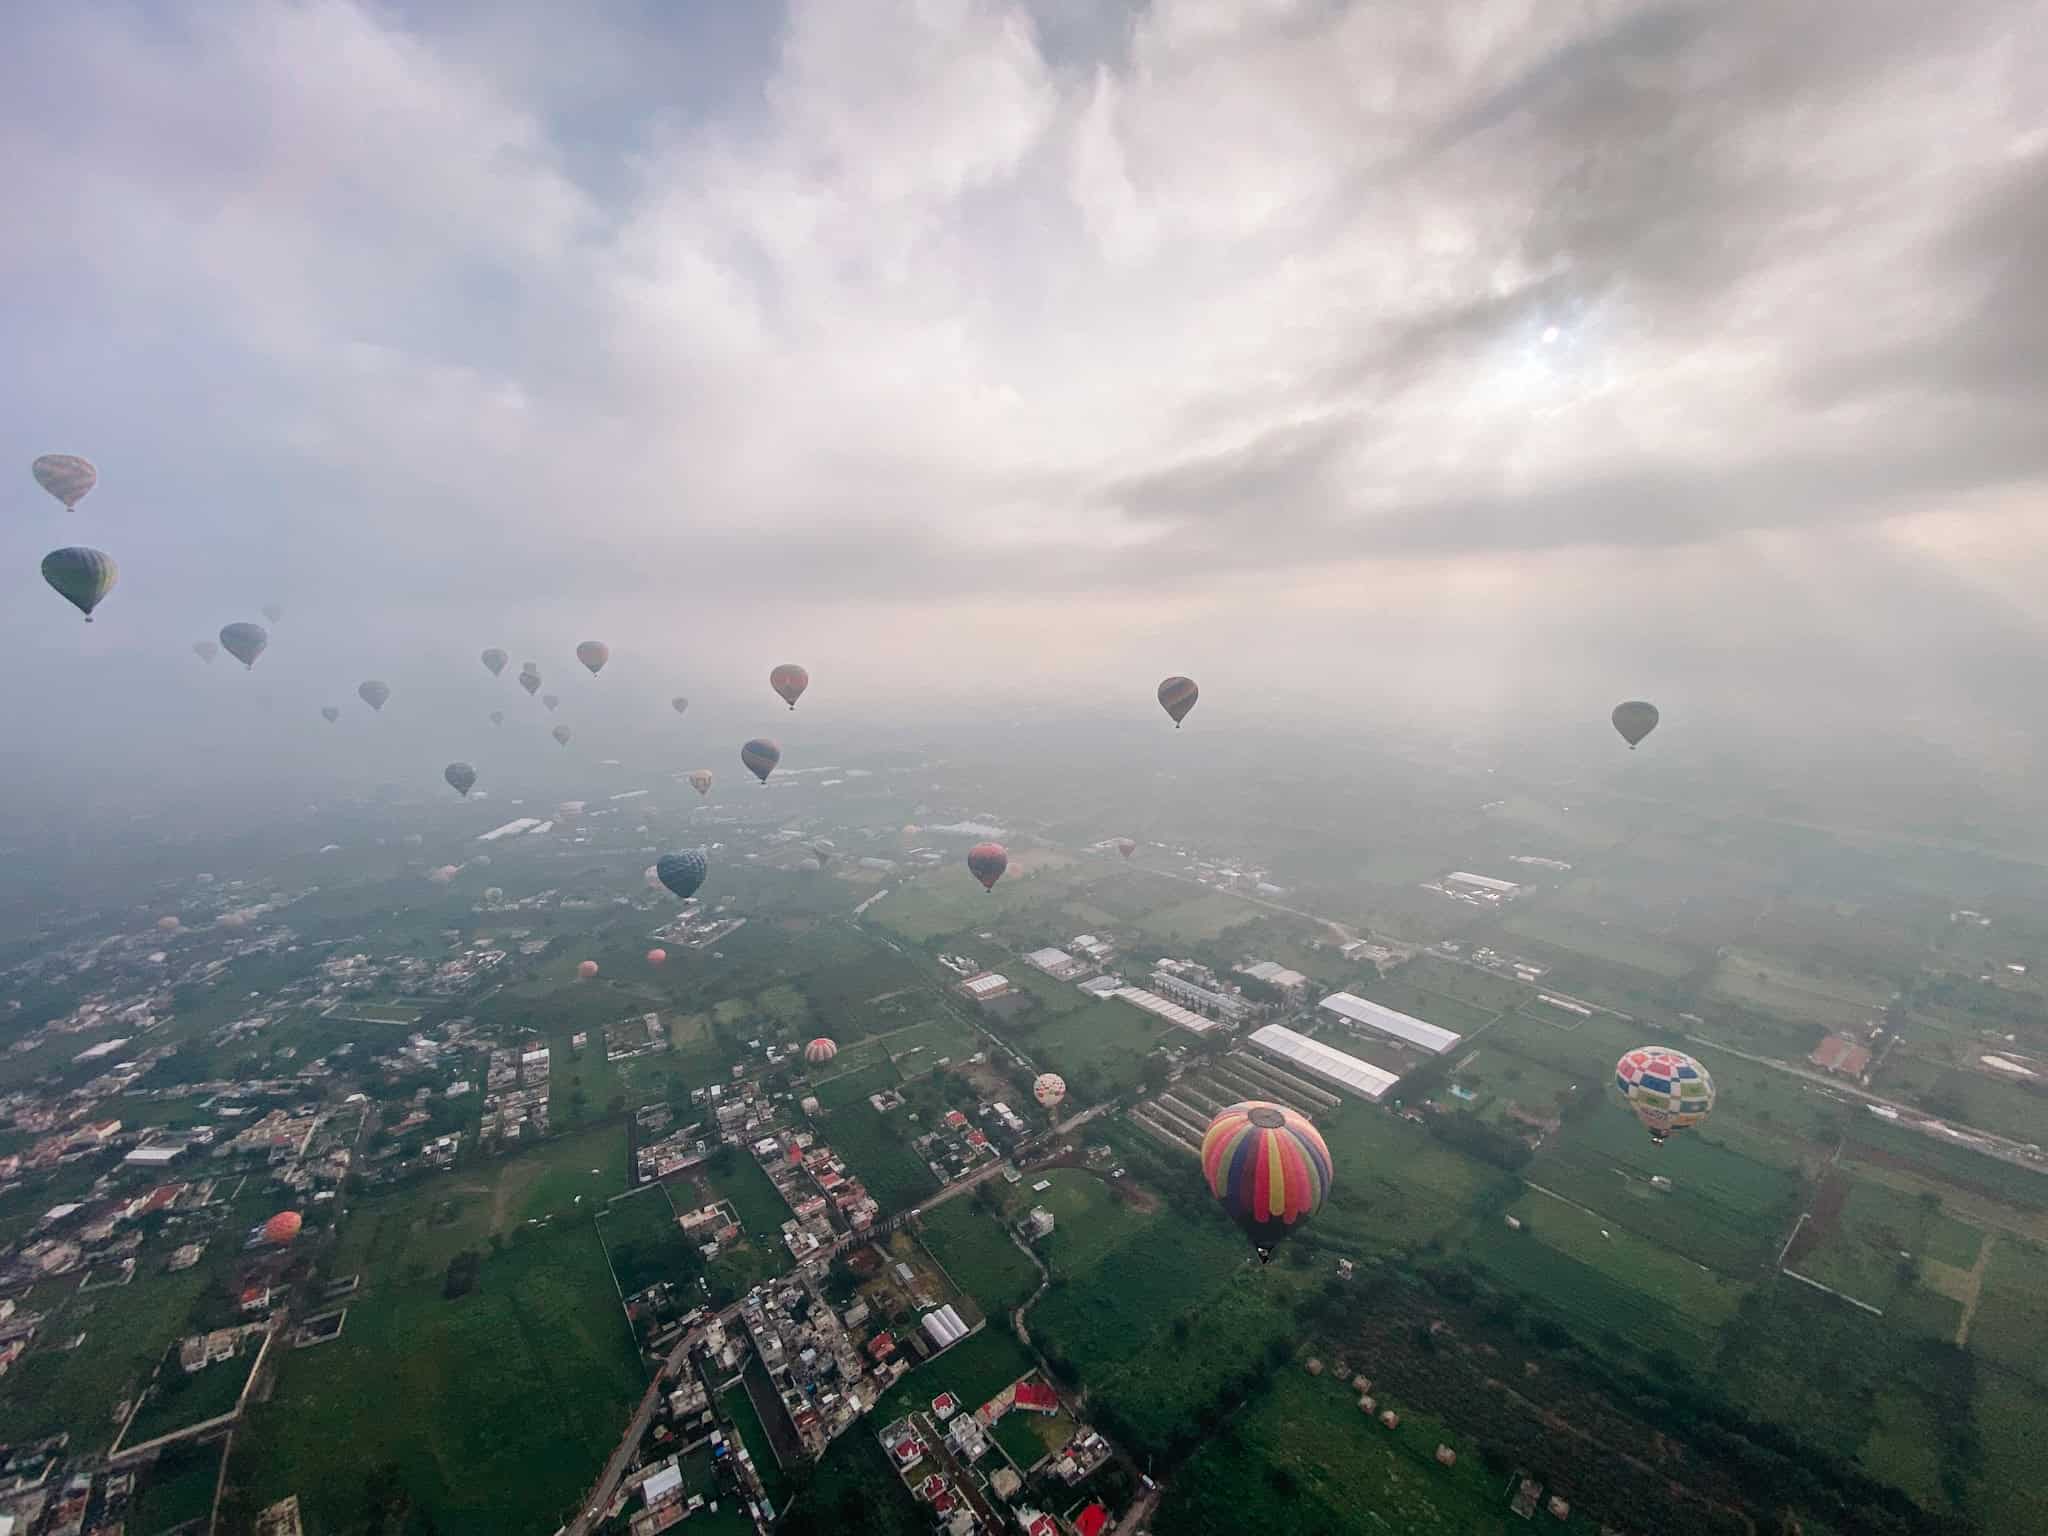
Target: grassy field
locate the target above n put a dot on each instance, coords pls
(1105, 1312)
(1307, 1460)
(179, 1487)
(855, 1087)
(1395, 1186)
(1861, 1254)
(978, 1254)
(1775, 986)
(642, 1240)
(2011, 1322)
(493, 1410)
(1103, 1043)
(1460, 1015)
(894, 1175)
(974, 1370)
(1088, 1219)
(753, 1194)
(932, 906)
(2011, 1416)
(1204, 918)
(178, 1400)
(1707, 1299)
(1970, 1096)
(1600, 940)
(747, 1420)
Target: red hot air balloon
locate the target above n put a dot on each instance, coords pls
(586, 969)
(1177, 696)
(282, 1227)
(657, 957)
(789, 680)
(820, 1051)
(986, 862)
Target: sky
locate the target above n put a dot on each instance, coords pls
(1417, 366)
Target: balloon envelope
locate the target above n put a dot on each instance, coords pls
(205, 650)
(373, 693)
(679, 704)
(497, 717)
(682, 872)
(586, 969)
(282, 1227)
(561, 734)
(760, 756)
(987, 861)
(329, 713)
(244, 642)
(1268, 1167)
(1177, 696)
(65, 476)
(495, 659)
(1126, 846)
(594, 654)
(530, 681)
(1049, 1089)
(821, 1050)
(789, 680)
(700, 780)
(552, 700)
(169, 924)
(1635, 719)
(1665, 1089)
(81, 576)
(657, 957)
(460, 777)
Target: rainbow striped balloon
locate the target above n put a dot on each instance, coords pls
(1667, 1089)
(1269, 1168)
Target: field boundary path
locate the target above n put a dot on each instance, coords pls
(1975, 1283)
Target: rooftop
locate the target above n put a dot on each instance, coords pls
(1377, 1016)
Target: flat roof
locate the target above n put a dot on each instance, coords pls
(1173, 1013)
(1484, 882)
(1324, 1061)
(1371, 1015)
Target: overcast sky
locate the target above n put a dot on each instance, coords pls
(1526, 356)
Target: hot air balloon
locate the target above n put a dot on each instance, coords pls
(1049, 1089)
(700, 780)
(65, 476)
(657, 957)
(205, 650)
(530, 681)
(1268, 1167)
(789, 680)
(823, 849)
(329, 713)
(244, 642)
(82, 577)
(1177, 696)
(272, 612)
(1127, 846)
(820, 1051)
(552, 700)
(594, 654)
(760, 756)
(561, 734)
(682, 872)
(986, 862)
(495, 660)
(585, 969)
(373, 693)
(443, 875)
(282, 1227)
(169, 924)
(679, 704)
(497, 717)
(1635, 719)
(459, 776)
(1666, 1089)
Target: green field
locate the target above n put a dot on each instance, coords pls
(177, 1488)
(643, 1242)
(1307, 1460)
(1973, 1097)
(1205, 918)
(974, 1370)
(1396, 1185)
(492, 1411)
(756, 1200)
(1861, 1255)
(1088, 1218)
(2011, 1323)
(1706, 1299)
(1600, 940)
(1101, 1046)
(178, 1400)
(872, 1147)
(855, 1087)
(977, 1252)
(373, 1013)
(1775, 986)
(739, 1406)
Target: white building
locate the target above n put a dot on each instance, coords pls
(986, 986)
(1173, 1013)
(1360, 1014)
(1325, 1063)
(1056, 963)
(1275, 974)
(1485, 885)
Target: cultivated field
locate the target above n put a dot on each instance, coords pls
(978, 1254)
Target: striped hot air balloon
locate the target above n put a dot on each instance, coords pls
(789, 680)
(1177, 696)
(986, 862)
(1635, 719)
(820, 1051)
(760, 756)
(65, 476)
(1665, 1089)
(1269, 1169)
(82, 577)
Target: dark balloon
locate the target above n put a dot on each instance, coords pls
(561, 734)
(244, 642)
(329, 713)
(374, 693)
(682, 872)
(986, 862)
(530, 681)
(760, 756)
(594, 654)
(679, 704)
(789, 680)
(65, 476)
(495, 659)
(1126, 846)
(1177, 696)
(460, 777)
(82, 577)
(497, 717)
(1635, 719)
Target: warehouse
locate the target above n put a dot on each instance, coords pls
(1358, 1013)
(1322, 1062)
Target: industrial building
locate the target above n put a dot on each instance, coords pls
(1482, 885)
(1274, 974)
(1173, 1013)
(1324, 1063)
(985, 988)
(1056, 963)
(1359, 1013)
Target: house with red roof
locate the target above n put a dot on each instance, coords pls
(1037, 1396)
(1090, 1521)
(944, 1406)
